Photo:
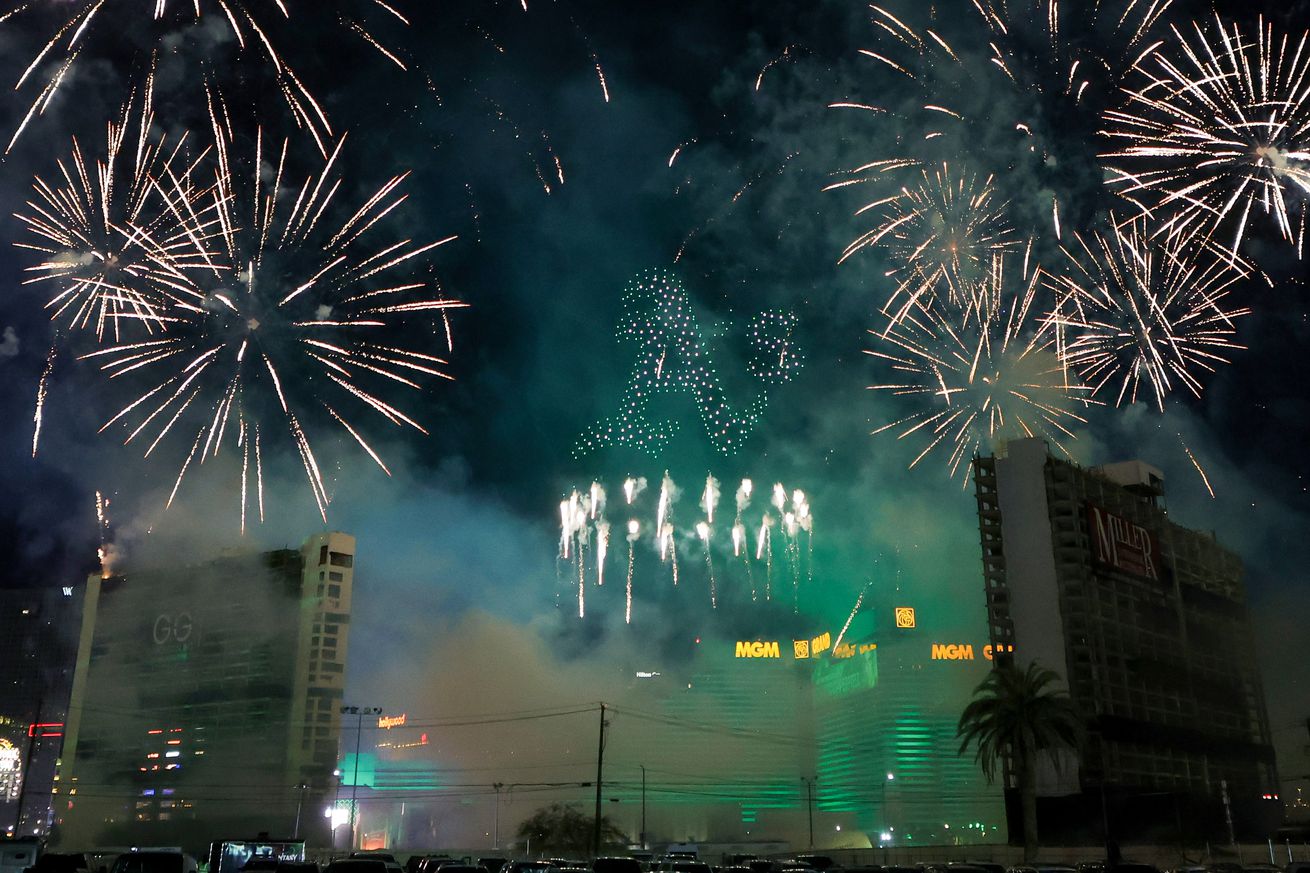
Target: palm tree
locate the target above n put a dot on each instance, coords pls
(1015, 715)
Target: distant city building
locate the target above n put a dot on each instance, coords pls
(206, 699)
(1146, 621)
(746, 741)
(38, 648)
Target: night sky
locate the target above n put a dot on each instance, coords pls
(461, 540)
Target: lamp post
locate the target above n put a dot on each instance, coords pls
(359, 712)
(809, 804)
(300, 802)
(643, 805)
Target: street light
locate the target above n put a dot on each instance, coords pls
(360, 712)
(300, 802)
(809, 803)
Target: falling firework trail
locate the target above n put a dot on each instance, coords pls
(602, 548)
(102, 527)
(859, 601)
(673, 555)
(634, 530)
(1197, 465)
(703, 531)
(764, 550)
(42, 388)
(791, 549)
(710, 498)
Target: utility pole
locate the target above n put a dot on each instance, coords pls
(496, 830)
(643, 805)
(809, 804)
(359, 712)
(600, 769)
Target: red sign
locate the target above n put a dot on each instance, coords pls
(1122, 544)
(46, 729)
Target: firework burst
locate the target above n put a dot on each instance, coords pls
(941, 234)
(985, 373)
(82, 23)
(1144, 314)
(110, 251)
(298, 315)
(1069, 48)
(1219, 131)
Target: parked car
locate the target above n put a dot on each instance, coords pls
(526, 867)
(818, 862)
(358, 865)
(463, 868)
(153, 861)
(433, 863)
(618, 865)
(688, 867)
(987, 866)
(60, 862)
(493, 864)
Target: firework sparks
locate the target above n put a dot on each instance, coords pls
(710, 499)
(42, 390)
(1069, 48)
(941, 233)
(289, 290)
(1142, 312)
(81, 22)
(1219, 131)
(1197, 464)
(703, 531)
(729, 552)
(634, 532)
(602, 549)
(984, 379)
(111, 250)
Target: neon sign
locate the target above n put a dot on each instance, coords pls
(758, 649)
(390, 721)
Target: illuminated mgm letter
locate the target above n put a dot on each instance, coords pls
(758, 650)
(951, 652)
(670, 357)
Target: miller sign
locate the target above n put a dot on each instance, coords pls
(1122, 544)
(758, 650)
